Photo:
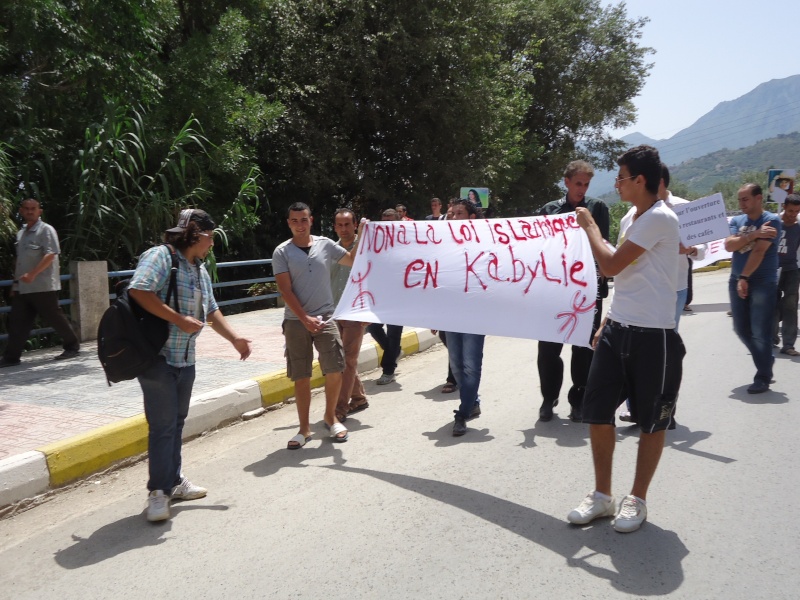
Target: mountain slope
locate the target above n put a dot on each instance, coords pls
(700, 174)
(770, 109)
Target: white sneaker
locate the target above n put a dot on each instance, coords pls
(590, 509)
(157, 506)
(385, 379)
(631, 515)
(186, 490)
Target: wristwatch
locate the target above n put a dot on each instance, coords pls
(744, 278)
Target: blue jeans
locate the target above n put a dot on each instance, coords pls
(389, 341)
(752, 322)
(466, 359)
(167, 391)
(682, 296)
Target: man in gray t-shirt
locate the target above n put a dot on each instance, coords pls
(302, 271)
(36, 285)
(789, 281)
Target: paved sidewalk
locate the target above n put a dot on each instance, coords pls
(43, 401)
(60, 421)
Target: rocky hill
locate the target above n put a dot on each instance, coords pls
(770, 110)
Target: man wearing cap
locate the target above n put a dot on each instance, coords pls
(167, 383)
(36, 285)
(302, 267)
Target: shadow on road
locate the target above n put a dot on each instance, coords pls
(566, 433)
(130, 533)
(444, 435)
(645, 563)
(769, 397)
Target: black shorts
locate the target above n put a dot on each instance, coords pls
(641, 363)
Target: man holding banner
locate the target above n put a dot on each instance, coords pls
(577, 177)
(637, 351)
(753, 286)
(465, 351)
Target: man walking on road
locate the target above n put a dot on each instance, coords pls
(352, 397)
(637, 351)
(577, 177)
(302, 271)
(36, 284)
(753, 286)
(789, 280)
(389, 339)
(465, 351)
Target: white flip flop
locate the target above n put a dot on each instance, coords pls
(299, 439)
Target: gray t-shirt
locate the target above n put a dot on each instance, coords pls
(33, 244)
(787, 247)
(310, 273)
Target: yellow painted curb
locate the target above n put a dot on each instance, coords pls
(723, 264)
(409, 343)
(277, 387)
(87, 453)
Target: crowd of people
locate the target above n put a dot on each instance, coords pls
(634, 358)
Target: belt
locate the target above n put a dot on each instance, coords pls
(615, 325)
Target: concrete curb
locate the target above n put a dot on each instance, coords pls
(33, 473)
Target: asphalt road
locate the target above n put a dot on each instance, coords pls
(405, 510)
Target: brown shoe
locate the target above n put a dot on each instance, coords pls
(357, 406)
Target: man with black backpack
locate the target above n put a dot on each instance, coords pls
(167, 382)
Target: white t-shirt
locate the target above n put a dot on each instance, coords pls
(645, 291)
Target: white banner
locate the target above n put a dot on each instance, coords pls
(716, 251)
(703, 220)
(529, 277)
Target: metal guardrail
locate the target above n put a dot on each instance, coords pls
(7, 309)
(128, 273)
(224, 284)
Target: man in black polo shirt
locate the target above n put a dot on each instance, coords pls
(577, 177)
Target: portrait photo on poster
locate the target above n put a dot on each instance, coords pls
(780, 183)
(479, 196)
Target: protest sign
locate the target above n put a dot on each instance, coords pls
(530, 277)
(702, 220)
(715, 252)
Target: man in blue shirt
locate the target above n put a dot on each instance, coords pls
(753, 285)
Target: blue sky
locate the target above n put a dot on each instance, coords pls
(709, 51)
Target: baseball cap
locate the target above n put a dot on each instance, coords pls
(193, 214)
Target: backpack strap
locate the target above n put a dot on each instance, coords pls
(172, 290)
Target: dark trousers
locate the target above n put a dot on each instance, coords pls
(389, 341)
(24, 308)
(551, 367)
(450, 377)
(689, 295)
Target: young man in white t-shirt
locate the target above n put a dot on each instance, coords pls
(638, 353)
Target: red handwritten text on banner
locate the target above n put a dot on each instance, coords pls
(530, 277)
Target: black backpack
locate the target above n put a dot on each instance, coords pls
(129, 338)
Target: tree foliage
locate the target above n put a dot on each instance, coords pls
(328, 101)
